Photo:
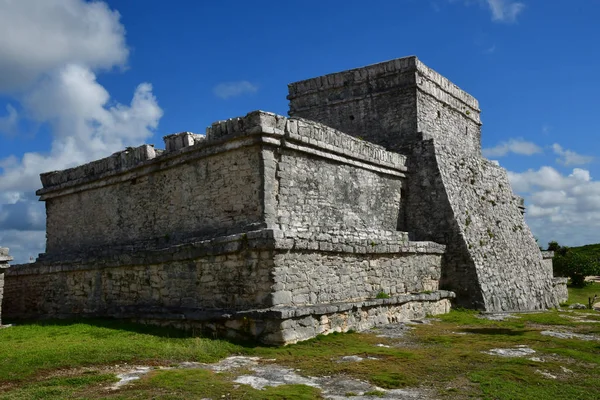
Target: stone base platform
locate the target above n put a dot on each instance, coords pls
(268, 285)
(288, 325)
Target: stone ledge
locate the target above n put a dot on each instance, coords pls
(548, 255)
(5, 259)
(285, 312)
(259, 240)
(383, 70)
(276, 328)
(278, 312)
(256, 128)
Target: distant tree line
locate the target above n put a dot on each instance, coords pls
(575, 263)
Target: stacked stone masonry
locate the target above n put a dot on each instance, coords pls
(4, 260)
(371, 204)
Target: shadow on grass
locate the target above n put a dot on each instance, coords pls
(140, 328)
(495, 331)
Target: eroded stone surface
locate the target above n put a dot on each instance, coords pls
(517, 351)
(569, 335)
(267, 373)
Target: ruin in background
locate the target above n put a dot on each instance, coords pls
(4, 260)
(370, 204)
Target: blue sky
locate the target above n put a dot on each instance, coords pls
(81, 80)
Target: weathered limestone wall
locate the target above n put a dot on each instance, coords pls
(328, 195)
(560, 283)
(210, 194)
(360, 273)
(258, 171)
(256, 269)
(455, 197)
(219, 273)
(391, 103)
(4, 260)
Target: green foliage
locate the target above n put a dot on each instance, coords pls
(590, 250)
(382, 295)
(573, 264)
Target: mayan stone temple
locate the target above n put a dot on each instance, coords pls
(371, 203)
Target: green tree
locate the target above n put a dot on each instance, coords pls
(575, 266)
(557, 248)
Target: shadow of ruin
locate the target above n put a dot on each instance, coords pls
(371, 203)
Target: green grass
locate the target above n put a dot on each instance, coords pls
(581, 295)
(32, 349)
(198, 383)
(47, 360)
(59, 388)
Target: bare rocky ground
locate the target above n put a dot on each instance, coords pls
(260, 373)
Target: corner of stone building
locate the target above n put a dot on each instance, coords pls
(4, 260)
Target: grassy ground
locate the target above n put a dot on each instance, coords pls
(581, 295)
(71, 361)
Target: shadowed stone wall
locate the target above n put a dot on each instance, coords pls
(4, 260)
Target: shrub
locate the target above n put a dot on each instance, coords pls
(575, 266)
(382, 295)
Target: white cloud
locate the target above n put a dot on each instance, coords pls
(50, 70)
(39, 36)
(502, 10)
(505, 10)
(568, 157)
(517, 146)
(560, 207)
(234, 89)
(23, 245)
(84, 126)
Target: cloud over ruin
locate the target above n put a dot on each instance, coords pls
(50, 56)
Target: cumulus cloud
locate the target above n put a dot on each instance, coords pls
(50, 69)
(39, 36)
(24, 245)
(516, 146)
(568, 157)
(234, 89)
(562, 207)
(24, 214)
(84, 126)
